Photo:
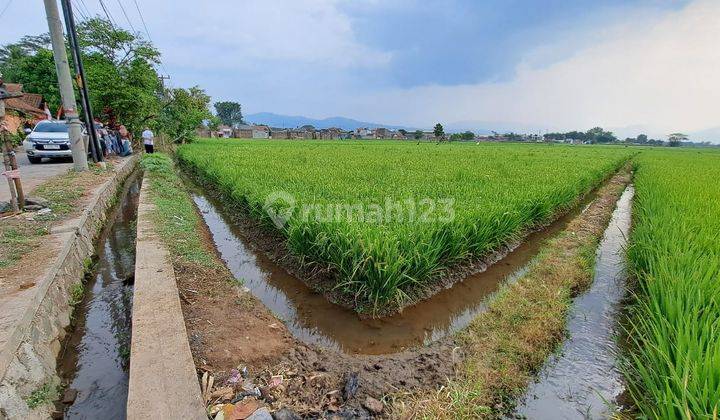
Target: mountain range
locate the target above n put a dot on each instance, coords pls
(293, 121)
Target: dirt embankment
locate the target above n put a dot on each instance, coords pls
(230, 331)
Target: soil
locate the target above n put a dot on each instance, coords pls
(230, 330)
(224, 320)
(37, 230)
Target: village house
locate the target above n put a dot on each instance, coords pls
(27, 108)
(381, 133)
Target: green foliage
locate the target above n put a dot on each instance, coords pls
(35, 69)
(43, 395)
(499, 191)
(438, 131)
(418, 134)
(230, 113)
(674, 255)
(77, 291)
(185, 110)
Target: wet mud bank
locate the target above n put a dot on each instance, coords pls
(584, 378)
(95, 358)
(315, 320)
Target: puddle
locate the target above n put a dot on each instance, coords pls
(312, 319)
(95, 357)
(583, 380)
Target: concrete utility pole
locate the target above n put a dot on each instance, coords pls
(95, 148)
(66, 88)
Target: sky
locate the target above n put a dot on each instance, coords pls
(528, 65)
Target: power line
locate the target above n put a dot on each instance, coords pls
(126, 16)
(6, 7)
(142, 19)
(80, 12)
(82, 9)
(109, 16)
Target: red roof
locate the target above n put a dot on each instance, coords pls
(29, 103)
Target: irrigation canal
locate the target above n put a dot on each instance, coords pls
(95, 357)
(313, 319)
(583, 379)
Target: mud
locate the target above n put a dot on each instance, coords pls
(584, 379)
(95, 356)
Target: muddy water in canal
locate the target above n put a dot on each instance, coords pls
(583, 379)
(95, 357)
(313, 319)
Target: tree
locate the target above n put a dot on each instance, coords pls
(641, 138)
(213, 122)
(468, 135)
(418, 134)
(598, 135)
(676, 139)
(122, 81)
(438, 131)
(230, 113)
(184, 111)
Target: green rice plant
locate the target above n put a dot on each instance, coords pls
(673, 364)
(491, 193)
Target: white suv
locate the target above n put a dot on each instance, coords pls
(49, 139)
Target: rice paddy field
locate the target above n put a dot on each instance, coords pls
(674, 361)
(408, 212)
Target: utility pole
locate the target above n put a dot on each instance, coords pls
(95, 148)
(17, 198)
(66, 88)
(162, 80)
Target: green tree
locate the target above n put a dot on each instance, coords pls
(598, 135)
(642, 138)
(121, 79)
(676, 139)
(439, 131)
(418, 134)
(184, 111)
(213, 122)
(468, 135)
(230, 113)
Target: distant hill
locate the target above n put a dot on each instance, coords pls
(292, 121)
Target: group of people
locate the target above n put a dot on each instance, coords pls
(118, 141)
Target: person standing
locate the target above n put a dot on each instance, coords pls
(148, 140)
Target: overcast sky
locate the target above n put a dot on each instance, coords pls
(651, 65)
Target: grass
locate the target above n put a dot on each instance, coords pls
(673, 367)
(498, 191)
(506, 345)
(175, 214)
(43, 395)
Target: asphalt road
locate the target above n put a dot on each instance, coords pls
(33, 175)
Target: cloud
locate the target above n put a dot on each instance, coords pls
(660, 71)
(230, 34)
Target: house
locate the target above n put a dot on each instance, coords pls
(243, 131)
(260, 132)
(279, 133)
(27, 108)
(364, 133)
(224, 131)
(381, 133)
(332, 133)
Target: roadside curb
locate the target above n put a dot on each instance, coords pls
(163, 382)
(28, 355)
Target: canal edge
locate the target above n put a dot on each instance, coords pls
(162, 370)
(28, 359)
